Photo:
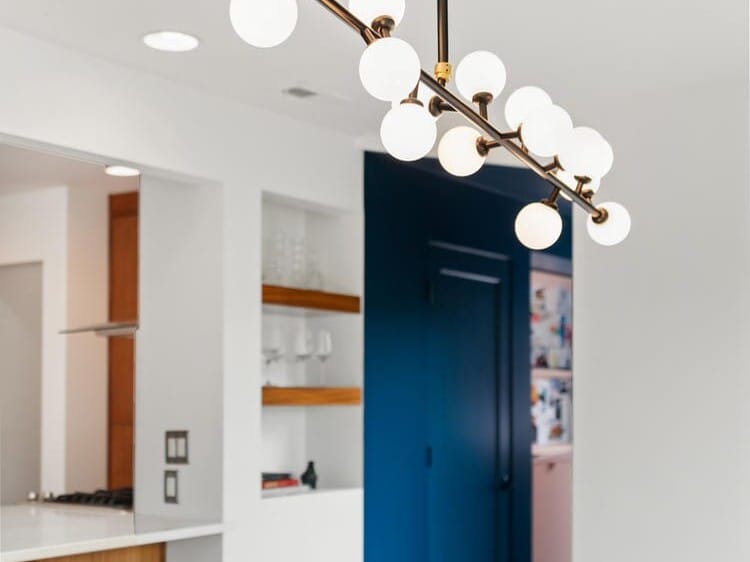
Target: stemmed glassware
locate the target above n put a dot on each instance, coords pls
(323, 351)
(273, 348)
(303, 348)
(306, 345)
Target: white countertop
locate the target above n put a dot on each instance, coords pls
(38, 531)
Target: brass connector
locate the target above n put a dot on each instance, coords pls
(601, 217)
(443, 72)
(384, 25)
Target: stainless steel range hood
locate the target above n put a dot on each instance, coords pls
(106, 330)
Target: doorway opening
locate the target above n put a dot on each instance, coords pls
(453, 447)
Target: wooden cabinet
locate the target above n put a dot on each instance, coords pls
(123, 307)
(147, 553)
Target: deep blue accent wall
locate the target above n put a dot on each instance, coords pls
(406, 206)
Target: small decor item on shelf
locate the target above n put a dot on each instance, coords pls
(273, 346)
(287, 483)
(551, 407)
(551, 321)
(289, 262)
(275, 259)
(310, 477)
(303, 347)
(314, 279)
(323, 351)
(298, 264)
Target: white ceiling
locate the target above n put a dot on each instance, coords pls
(579, 50)
(24, 170)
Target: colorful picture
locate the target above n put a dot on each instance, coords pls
(551, 403)
(551, 321)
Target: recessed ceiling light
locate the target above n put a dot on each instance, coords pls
(171, 41)
(122, 171)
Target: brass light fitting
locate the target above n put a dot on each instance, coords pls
(490, 136)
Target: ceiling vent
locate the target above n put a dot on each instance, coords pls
(301, 93)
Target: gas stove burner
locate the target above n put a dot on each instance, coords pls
(121, 498)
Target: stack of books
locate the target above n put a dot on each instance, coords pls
(281, 484)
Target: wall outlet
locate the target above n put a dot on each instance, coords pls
(170, 487)
(176, 447)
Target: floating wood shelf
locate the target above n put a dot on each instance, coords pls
(561, 374)
(311, 396)
(551, 452)
(315, 300)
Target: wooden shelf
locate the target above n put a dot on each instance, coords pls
(311, 396)
(315, 300)
(561, 374)
(551, 452)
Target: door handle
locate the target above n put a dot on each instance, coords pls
(504, 483)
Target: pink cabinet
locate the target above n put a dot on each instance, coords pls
(552, 508)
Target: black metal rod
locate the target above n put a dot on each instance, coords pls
(442, 19)
(469, 113)
(489, 129)
(350, 19)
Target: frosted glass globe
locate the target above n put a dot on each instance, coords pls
(612, 231)
(389, 69)
(538, 226)
(408, 132)
(369, 10)
(458, 153)
(522, 102)
(586, 153)
(262, 23)
(480, 71)
(545, 129)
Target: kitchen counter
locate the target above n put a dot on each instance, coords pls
(38, 531)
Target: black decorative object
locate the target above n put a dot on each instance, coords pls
(310, 477)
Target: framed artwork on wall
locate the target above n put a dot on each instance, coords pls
(551, 324)
(551, 321)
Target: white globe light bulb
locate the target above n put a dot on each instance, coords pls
(262, 23)
(458, 153)
(538, 226)
(480, 71)
(613, 230)
(586, 153)
(408, 132)
(522, 102)
(369, 10)
(545, 129)
(389, 69)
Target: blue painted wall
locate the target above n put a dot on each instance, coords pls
(406, 206)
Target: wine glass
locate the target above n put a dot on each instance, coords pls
(323, 351)
(273, 347)
(303, 348)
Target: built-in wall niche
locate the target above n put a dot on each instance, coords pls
(312, 345)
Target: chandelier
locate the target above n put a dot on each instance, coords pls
(573, 160)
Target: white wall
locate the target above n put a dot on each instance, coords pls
(662, 453)
(178, 382)
(65, 228)
(33, 228)
(90, 107)
(20, 381)
(87, 377)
